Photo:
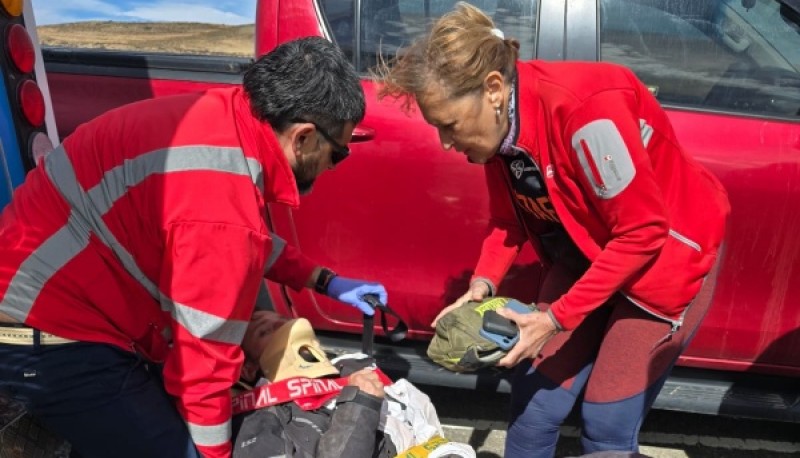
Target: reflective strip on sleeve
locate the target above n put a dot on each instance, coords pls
(210, 436)
(278, 244)
(604, 157)
(209, 327)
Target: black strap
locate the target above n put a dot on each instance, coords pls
(368, 336)
(395, 335)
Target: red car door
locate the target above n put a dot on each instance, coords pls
(729, 74)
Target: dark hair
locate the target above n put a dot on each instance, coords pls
(308, 78)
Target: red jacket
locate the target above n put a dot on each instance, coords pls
(164, 245)
(648, 217)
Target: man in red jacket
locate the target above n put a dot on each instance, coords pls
(130, 259)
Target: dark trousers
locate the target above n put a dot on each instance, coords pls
(103, 400)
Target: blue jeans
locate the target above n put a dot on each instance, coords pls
(104, 400)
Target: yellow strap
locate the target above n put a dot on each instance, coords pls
(424, 449)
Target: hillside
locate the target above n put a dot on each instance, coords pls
(178, 37)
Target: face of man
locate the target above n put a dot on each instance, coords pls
(318, 157)
(305, 174)
(261, 326)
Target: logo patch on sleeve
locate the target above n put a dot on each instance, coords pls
(604, 158)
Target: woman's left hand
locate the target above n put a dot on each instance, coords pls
(535, 329)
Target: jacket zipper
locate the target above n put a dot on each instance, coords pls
(685, 240)
(676, 324)
(596, 177)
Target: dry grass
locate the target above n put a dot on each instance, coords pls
(171, 37)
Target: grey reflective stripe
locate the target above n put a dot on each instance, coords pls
(116, 181)
(685, 240)
(37, 269)
(278, 244)
(86, 215)
(264, 298)
(207, 326)
(59, 169)
(646, 131)
(209, 436)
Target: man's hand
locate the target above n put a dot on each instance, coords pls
(367, 381)
(351, 291)
(535, 328)
(476, 292)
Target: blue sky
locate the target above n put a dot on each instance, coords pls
(211, 11)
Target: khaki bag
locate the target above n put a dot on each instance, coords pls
(457, 344)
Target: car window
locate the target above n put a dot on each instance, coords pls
(225, 30)
(387, 25)
(731, 55)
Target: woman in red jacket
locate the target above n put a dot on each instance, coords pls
(581, 161)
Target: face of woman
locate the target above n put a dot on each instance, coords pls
(468, 124)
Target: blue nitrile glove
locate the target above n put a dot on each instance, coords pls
(351, 291)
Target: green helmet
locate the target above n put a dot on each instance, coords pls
(458, 345)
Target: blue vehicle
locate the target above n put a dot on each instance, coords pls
(25, 111)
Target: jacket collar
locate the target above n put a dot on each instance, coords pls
(528, 110)
(507, 146)
(259, 141)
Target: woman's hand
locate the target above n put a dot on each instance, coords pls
(476, 292)
(535, 329)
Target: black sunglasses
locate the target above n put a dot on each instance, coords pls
(338, 152)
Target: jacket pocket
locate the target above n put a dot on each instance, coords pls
(671, 280)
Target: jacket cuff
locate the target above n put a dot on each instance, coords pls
(555, 321)
(559, 313)
(489, 283)
(292, 269)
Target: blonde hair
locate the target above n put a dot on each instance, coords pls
(460, 50)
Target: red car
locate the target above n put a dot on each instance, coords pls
(404, 212)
